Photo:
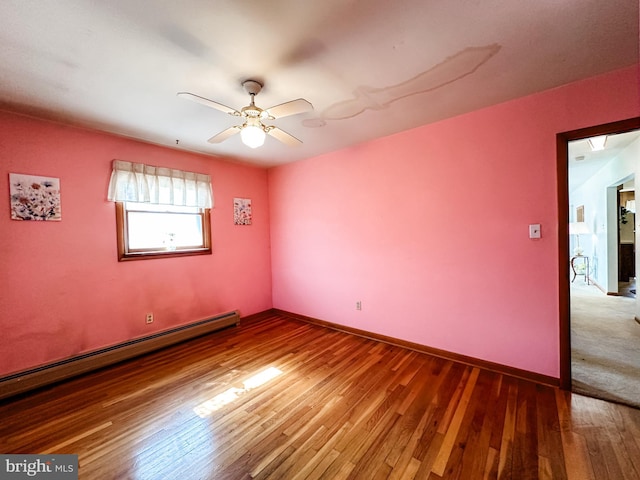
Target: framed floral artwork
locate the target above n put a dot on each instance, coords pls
(34, 197)
(242, 211)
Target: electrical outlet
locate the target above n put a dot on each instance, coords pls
(149, 317)
(358, 305)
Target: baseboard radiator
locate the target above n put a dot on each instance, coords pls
(30, 379)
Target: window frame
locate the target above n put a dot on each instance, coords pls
(126, 254)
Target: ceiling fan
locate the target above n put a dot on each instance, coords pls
(253, 131)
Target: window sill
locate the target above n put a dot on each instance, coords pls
(125, 257)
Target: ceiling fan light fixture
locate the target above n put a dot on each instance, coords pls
(252, 136)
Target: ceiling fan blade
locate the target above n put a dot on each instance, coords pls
(283, 136)
(293, 107)
(209, 103)
(223, 135)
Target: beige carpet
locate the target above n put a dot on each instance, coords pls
(605, 345)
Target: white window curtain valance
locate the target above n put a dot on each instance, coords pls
(136, 182)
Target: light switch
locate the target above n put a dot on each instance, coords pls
(534, 230)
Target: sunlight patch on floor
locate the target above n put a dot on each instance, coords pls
(232, 394)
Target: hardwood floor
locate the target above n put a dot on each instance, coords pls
(282, 399)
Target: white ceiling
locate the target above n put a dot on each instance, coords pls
(585, 163)
(370, 67)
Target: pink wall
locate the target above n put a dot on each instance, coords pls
(63, 291)
(429, 228)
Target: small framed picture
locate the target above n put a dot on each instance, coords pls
(242, 211)
(34, 197)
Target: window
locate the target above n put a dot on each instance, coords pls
(150, 231)
(160, 212)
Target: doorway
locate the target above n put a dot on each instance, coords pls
(626, 210)
(600, 265)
